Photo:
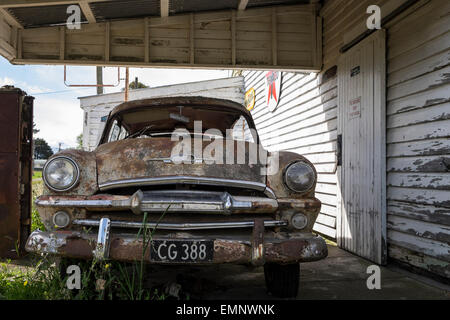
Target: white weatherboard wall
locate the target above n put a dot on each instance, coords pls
(418, 137)
(96, 107)
(304, 122)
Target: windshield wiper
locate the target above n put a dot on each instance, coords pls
(140, 132)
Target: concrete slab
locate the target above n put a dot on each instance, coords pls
(340, 276)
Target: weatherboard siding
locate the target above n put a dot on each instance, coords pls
(305, 123)
(418, 137)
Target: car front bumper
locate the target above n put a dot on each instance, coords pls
(256, 248)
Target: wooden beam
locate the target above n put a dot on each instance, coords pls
(62, 43)
(191, 39)
(39, 3)
(164, 5)
(233, 37)
(274, 38)
(87, 11)
(10, 19)
(107, 41)
(146, 40)
(242, 4)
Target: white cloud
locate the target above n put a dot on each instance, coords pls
(57, 112)
(59, 120)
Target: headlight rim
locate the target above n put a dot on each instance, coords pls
(75, 181)
(286, 169)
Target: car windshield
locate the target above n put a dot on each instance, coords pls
(147, 122)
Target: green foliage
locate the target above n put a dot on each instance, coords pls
(139, 85)
(100, 280)
(37, 189)
(41, 149)
(80, 141)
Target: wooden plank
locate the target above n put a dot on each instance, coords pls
(146, 40)
(418, 164)
(274, 39)
(419, 260)
(326, 220)
(10, 19)
(426, 147)
(107, 41)
(249, 47)
(62, 43)
(421, 196)
(242, 4)
(19, 44)
(327, 199)
(164, 5)
(233, 33)
(87, 11)
(421, 212)
(425, 50)
(38, 3)
(430, 130)
(438, 77)
(419, 116)
(421, 229)
(328, 210)
(422, 67)
(439, 181)
(191, 39)
(417, 100)
(327, 231)
(429, 247)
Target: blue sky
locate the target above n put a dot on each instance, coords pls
(57, 111)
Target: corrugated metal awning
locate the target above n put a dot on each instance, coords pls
(36, 13)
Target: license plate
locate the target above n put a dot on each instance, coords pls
(182, 250)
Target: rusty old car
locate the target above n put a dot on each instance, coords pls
(202, 210)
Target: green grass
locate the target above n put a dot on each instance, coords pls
(37, 175)
(37, 189)
(100, 280)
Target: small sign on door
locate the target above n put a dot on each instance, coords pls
(354, 110)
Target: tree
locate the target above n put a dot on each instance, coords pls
(132, 85)
(140, 85)
(35, 130)
(80, 141)
(41, 149)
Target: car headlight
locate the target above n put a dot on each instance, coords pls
(299, 176)
(61, 173)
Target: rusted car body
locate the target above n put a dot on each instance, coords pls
(229, 211)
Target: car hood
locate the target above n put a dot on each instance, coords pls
(151, 157)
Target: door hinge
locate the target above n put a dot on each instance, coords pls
(339, 150)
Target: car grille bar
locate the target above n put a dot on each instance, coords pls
(180, 226)
(207, 181)
(169, 200)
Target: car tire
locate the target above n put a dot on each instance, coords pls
(282, 280)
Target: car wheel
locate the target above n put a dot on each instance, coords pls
(282, 280)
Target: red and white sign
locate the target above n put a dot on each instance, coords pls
(354, 110)
(273, 85)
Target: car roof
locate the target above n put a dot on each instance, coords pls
(180, 100)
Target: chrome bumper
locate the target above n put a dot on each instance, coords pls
(170, 200)
(179, 226)
(255, 248)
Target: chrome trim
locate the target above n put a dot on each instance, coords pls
(181, 226)
(77, 178)
(179, 201)
(101, 251)
(183, 180)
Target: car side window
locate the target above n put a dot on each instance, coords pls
(114, 131)
(241, 130)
